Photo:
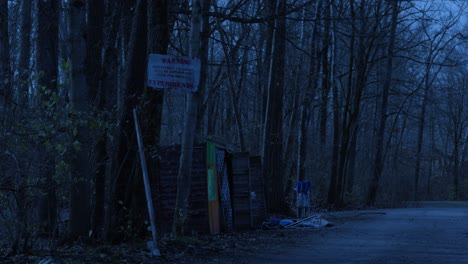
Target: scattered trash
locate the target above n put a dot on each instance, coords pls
(315, 221)
(286, 222)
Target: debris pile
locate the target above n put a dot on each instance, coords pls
(313, 221)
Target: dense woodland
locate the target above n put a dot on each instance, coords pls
(367, 99)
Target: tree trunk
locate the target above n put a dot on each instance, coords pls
(230, 55)
(159, 27)
(325, 76)
(128, 187)
(339, 127)
(456, 168)
(272, 132)
(306, 107)
(80, 214)
(352, 107)
(184, 177)
(47, 66)
(95, 64)
(22, 91)
(5, 70)
(205, 40)
(379, 156)
(421, 126)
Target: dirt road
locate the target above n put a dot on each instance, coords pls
(411, 235)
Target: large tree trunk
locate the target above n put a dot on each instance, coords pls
(47, 66)
(184, 177)
(106, 90)
(273, 130)
(204, 35)
(379, 156)
(80, 214)
(159, 28)
(128, 187)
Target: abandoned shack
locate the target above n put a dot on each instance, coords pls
(227, 190)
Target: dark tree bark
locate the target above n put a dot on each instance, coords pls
(47, 66)
(339, 119)
(22, 91)
(231, 54)
(5, 70)
(95, 65)
(80, 208)
(159, 27)
(184, 177)
(307, 111)
(128, 183)
(204, 35)
(272, 133)
(106, 100)
(325, 75)
(352, 108)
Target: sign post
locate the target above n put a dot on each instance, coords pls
(172, 72)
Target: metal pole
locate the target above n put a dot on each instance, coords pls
(152, 246)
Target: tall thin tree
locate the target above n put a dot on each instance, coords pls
(47, 67)
(184, 176)
(80, 213)
(379, 156)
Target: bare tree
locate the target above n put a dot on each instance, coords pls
(272, 131)
(125, 166)
(47, 67)
(438, 44)
(80, 211)
(379, 157)
(181, 214)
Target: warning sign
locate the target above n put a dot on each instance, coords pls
(166, 71)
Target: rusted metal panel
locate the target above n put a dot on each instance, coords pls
(241, 206)
(238, 189)
(258, 202)
(167, 189)
(225, 191)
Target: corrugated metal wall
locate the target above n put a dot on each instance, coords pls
(259, 211)
(241, 206)
(167, 188)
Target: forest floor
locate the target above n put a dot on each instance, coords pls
(223, 248)
(235, 248)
